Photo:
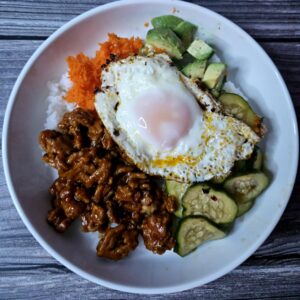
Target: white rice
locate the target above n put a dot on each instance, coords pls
(57, 106)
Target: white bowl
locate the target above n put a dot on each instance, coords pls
(28, 178)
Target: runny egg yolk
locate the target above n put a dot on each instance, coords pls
(163, 118)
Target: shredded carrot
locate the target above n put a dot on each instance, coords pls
(85, 80)
(85, 72)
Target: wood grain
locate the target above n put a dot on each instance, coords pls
(28, 271)
(272, 19)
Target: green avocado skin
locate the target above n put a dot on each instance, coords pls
(165, 39)
(195, 69)
(186, 31)
(214, 74)
(168, 21)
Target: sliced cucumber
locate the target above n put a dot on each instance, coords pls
(244, 207)
(203, 200)
(257, 160)
(254, 163)
(246, 187)
(220, 179)
(194, 231)
(241, 166)
(195, 69)
(177, 189)
(174, 225)
(169, 21)
(200, 50)
(238, 107)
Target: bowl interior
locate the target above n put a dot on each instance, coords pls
(29, 178)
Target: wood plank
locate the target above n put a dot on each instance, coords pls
(271, 19)
(286, 56)
(13, 56)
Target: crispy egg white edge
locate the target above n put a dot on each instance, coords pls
(203, 98)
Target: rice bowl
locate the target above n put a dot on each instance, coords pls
(163, 275)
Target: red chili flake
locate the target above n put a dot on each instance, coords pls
(214, 198)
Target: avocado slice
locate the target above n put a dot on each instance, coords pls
(216, 91)
(165, 39)
(186, 30)
(186, 59)
(195, 69)
(200, 50)
(168, 21)
(214, 74)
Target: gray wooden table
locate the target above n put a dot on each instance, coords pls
(28, 271)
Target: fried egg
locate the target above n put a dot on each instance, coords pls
(166, 124)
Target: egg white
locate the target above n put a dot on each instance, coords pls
(210, 148)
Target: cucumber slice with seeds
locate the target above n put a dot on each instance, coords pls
(194, 231)
(238, 107)
(220, 179)
(257, 160)
(203, 200)
(254, 163)
(244, 207)
(241, 166)
(246, 187)
(177, 189)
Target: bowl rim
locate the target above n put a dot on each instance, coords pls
(40, 239)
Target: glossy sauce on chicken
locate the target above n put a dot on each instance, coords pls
(98, 184)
